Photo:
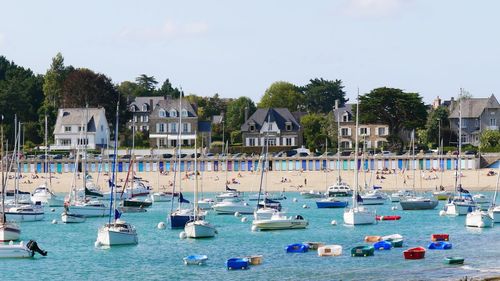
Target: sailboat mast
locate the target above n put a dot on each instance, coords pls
(113, 177)
(413, 157)
(3, 218)
(46, 156)
(460, 139)
(338, 140)
(18, 143)
(355, 193)
(195, 176)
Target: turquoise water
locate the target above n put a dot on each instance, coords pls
(158, 256)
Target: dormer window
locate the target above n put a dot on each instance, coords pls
(162, 113)
(145, 107)
(252, 127)
(345, 117)
(288, 126)
(173, 113)
(132, 108)
(184, 113)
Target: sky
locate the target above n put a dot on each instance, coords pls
(239, 48)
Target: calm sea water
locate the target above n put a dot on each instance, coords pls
(158, 256)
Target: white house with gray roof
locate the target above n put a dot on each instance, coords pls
(77, 127)
(478, 114)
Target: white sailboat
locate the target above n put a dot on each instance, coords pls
(116, 231)
(357, 214)
(198, 227)
(459, 205)
(494, 210)
(478, 218)
(9, 231)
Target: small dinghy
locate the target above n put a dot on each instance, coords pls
(255, 259)
(314, 245)
(440, 237)
(414, 253)
(440, 245)
(382, 245)
(454, 260)
(68, 217)
(396, 243)
(297, 248)
(392, 237)
(388, 218)
(237, 263)
(330, 251)
(373, 238)
(362, 251)
(20, 250)
(195, 260)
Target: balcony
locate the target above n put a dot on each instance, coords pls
(492, 127)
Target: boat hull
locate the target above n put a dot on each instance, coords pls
(72, 218)
(478, 219)
(108, 236)
(426, 204)
(9, 232)
(156, 197)
(458, 209)
(230, 209)
(495, 214)
(272, 224)
(89, 211)
(331, 204)
(15, 251)
(25, 216)
(359, 216)
(199, 229)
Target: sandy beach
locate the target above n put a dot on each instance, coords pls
(294, 181)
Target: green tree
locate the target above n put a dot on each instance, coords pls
(147, 84)
(320, 95)
(235, 115)
(395, 108)
(167, 90)
(213, 106)
(437, 118)
(83, 86)
(314, 126)
(129, 89)
(490, 140)
(282, 94)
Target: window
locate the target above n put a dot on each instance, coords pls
(251, 142)
(145, 107)
(185, 142)
(184, 127)
(173, 127)
(173, 113)
(65, 141)
(270, 142)
(135, 118)
(144, 128)
(288, 126)
(162, 113)
(465, 139)
(145, 118)
(67, 128)
(132, 108)
(381, 144)
(345, 144)
(162, 142)
(83, 141)
(80, 128)
(464, 124)
(184, 113)
(381, 131)
(161, 127)
(270, 127)
(345, 117)
(288, 141)
(252, 128)
(493, 121)
(363, 131)
(344, 131)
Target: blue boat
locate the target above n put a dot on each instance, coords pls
(195, 259)
(331, 202)
(439, 245)
(382, 245)
(237, 263)
(297, 248)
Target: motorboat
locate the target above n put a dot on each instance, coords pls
(373, 197)
(459, 206)
(199, 229)
(270, 204)
(68, 217)
(41, 194)
(91, 208)
(231, 207)
(25, 212)
(267, 195)
(478, 218)
(138, 188)
(136, 202)
(180, 217)
(440, 237)
(195, 260)
(237, 263)
(206, 203)
(418, 203)
(397, 196)
(21, 250)
(311, 194)
(161, 197)
(227, 195)
(382, 245)
(279, 221)
(442, 195)
(454, 260)
(264, 213)
(340, 189)
(331, 202)
(359, 215)
(388, 218)
(117, 233)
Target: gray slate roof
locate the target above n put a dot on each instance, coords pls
(474, 107)
(76, 116)
(347, 108)
(278, 115)
(168, 104)
(138, 102)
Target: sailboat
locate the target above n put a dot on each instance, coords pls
(330, 202)
(373, 196)
(116, 231)
(9, 231)
(21, 211)
(462, 204)
(358, 214)
(494, 210)
(160, 195)
(198, 227)
(77, 203)
(228, 193)
(414, 202)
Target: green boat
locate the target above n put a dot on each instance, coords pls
(396, 243)
(362, 251)
(454, 260)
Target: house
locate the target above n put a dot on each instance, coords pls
(373, 135)
(278, 124)
(141, 108)
(76, 127)
(477, 114)
(164, 123)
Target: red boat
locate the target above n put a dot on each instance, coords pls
(388, 218)
(440, 237)
(414, 253)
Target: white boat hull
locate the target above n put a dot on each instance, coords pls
(495, 214)
(457, 209)
(233, 207)
(110, 236)
(199, 229)
(25, 216)
(272, 224)
(205, 205)
(15, 251)
(9, 232)
(71, 218)
(157, 197)
(89, 211)
(358, 216)
(479, 219)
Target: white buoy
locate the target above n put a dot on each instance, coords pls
(54, 222)
(97, 244)
(182, 235)
(52, 210)
(161, 225)
(394, 208)
(254, 228)
(334, 222)
(442, 213)
(237, 214)
(295, 200)
(305, 206)
(244, 219)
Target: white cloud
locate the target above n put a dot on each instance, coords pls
(373, 8)
(168, 29)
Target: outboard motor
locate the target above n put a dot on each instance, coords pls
(33, 246)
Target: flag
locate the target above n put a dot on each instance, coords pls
(117, 214)
(230, 189)
(111, 184)
(359, 199)
(182, 200)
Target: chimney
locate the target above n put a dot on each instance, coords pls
(246, 113)
(150, 104)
